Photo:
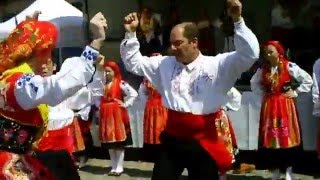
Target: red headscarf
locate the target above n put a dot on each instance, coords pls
(114, 90)
(279, 48)
(281, 52)
(30, 38)
(282, 65)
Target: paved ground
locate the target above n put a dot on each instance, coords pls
(97, 169)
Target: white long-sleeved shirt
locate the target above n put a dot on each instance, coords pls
(62, 114)
(295, 72)
(32, 90)
(59, 116)
(234, 99)
(88, 96)
(143, 93)
(315, 88)
(129, 92)
(200, 87)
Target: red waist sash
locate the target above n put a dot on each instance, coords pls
(60, 139)
(201, 128)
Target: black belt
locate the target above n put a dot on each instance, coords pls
(76, 110)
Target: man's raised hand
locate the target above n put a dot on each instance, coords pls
(131, 22)
(234, 9)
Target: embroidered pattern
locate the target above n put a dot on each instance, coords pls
(25, 79)
(279, 129)
(89, 54)
(176, 79)
(207, 77)
(198, 77)
(279, 132)
(194, 79)
(193, 83)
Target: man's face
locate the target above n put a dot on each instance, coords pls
(181, 47)
(47, 68)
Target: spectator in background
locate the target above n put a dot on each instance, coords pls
(280, 16)
(150, 39)
(174, 19)
(206, 34)
(281, 22)
(227, 28)
(223, 34)
(148, 33)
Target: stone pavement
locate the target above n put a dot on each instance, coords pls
(97, 169)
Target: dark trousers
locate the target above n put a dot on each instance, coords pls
(151, 152)
(178, 154)
(60, 164)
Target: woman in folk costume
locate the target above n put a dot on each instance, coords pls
(114, 125)
(149, 34)
(25, 95)
(224, 125)
(279, 132)
(155, 118)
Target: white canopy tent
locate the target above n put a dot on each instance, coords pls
(68, 20)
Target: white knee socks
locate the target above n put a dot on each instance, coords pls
(289, 174)
(113, 158)
(120, 159)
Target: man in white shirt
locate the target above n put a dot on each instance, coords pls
(193, 88)
(56, 146)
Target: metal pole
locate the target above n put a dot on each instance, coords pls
(86, 9)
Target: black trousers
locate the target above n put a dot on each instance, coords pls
(178, 154)
(150, 152)
(60, 164)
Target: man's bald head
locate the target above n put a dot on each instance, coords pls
(188, 29)
(184, 42)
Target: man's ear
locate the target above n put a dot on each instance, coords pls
(195, 41)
